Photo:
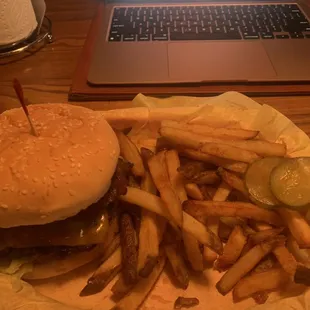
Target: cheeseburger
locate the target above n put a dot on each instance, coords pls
(57, 189)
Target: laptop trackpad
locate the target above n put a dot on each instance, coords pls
(218, 61)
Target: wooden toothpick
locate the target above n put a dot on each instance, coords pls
(20, 94)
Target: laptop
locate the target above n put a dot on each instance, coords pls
(157, 42)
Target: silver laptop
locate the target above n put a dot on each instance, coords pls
(155, 42)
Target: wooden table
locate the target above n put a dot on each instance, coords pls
(47, 75)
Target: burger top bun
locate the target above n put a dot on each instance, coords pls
(64, 170)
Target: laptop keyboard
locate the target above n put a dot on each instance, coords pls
(221, 22)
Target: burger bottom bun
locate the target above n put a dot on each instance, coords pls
(51, 266)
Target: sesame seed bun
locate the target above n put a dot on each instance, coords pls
(64, 170)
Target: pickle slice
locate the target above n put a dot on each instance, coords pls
(290, 182)
(257, 179)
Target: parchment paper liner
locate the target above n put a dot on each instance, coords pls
(229, 109)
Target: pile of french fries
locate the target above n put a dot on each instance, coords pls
(195, 213)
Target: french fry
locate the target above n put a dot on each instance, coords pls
(202, 233)
(139, 292)
(224, 231)
(178, 265)
(264, 235)
(191, 245)
(301, 255)
(225, 133)
(297, 225)
(232, 249)
(258, 237)
(248, 230)
(120, 288)
(158, 170)
(150, 236)
(248, 246)
(258, 226)
(233, 181)
(259, 147)
(286, 260)
(147, 184)
(173, 164)
(151, 232)
(232, 209)
(104, 274)
(264, 281)
(130, 152)
(246, 263)
(233, 221)
(180, 137)
(206, 177)
(229, 152)
(129, 249)
(186, 302)
(191, 225)
(231, 165)
(222, 192)
(146, 155)
(146, 201)
(193, 191)
(192, 249)
(209, 255)
(266, 264)
(213, 224)
(195, 141)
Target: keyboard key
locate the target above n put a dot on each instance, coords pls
(267, 35)
(217, 29)
(203, 29)
(113, 32)
(282, 36)
(296, 35)
(179, 23)
(189, 30)
(116, 37)
(160, 37)
(232, 29)
(160, 31)
(143, 37)
(250, 36)
(203, 36)
(145, 30)
(129, 37)
(176, 30)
